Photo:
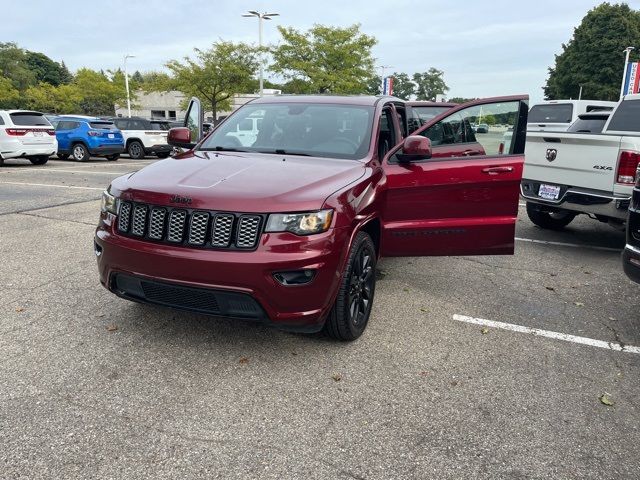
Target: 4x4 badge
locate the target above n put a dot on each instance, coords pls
(552, 154)
(179, 199)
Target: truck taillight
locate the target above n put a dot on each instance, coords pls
(627, 167)
(17, 132)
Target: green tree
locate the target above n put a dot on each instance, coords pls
(216, 74)
(47, 98)
(45, 69)
(327, 59)
(489, 119)
(461, 100)
(9, 95)
(429, 84)
(137, 77)
(593, 57)
(99, 94)
(403, 87)
(65, 74)
(374, 85)
(13, 65)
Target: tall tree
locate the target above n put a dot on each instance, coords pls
(593, 58)
(403, 87)
(99, 94)
(65, 75)
(374, 85)
(45, 69)
(429, 84)
(9, 95)
(13, 65)
(215, 74)
(328, 59)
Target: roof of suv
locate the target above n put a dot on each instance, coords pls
(365, 100)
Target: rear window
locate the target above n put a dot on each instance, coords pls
(627, 117)
(29, 119)
(160, 126)
(588, 125)
(102, 125)
(552, 113)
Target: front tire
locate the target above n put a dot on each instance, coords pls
(163, 155)
(549, 220)
(350, 313)
(80, 153)
(135, 149)
(39, 160)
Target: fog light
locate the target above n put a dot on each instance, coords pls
(296, 277)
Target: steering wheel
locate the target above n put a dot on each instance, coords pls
(348, 141)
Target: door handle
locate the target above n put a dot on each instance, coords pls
(497, 170)
(466, 153)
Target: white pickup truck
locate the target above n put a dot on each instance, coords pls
(566, 174)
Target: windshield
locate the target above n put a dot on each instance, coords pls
(307, 129)
(551, 113)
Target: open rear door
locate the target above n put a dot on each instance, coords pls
(464, 199)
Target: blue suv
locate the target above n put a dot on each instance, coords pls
(82, 137)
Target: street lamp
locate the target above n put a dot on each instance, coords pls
(627, 51)
(126, 83)
(260, 16)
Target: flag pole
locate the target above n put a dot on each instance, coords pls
(626, 69)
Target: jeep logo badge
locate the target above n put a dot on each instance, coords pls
(552, 154)
(179, 199)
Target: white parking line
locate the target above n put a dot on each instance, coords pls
(84, 172)
(570, 245)
(548, 334)
(49, 185)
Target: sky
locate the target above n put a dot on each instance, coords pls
(485, 48)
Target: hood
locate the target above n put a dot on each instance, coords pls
(240, 182)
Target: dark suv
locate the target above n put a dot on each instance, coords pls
(144, 137)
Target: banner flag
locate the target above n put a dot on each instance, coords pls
(632, 79)
(387, 86)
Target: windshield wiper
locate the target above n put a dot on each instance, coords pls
(280, 151)
(218, 148)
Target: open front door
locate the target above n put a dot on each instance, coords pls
(464, 199)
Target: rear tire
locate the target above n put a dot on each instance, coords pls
(113, 158)
(39, 160)
(163, 155)
(549, 220)
(135, 149)
(62, 156)
(350, 313)
(80, 153)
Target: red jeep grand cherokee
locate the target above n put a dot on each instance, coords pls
(282, 211)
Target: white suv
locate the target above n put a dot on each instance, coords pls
(144, 137)
(25, 134)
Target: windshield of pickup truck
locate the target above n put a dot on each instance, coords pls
(551, 113)
(305, 129)
(626, 118)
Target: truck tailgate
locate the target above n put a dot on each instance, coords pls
(572, 159)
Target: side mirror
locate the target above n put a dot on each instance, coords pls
(414, 148)
(180, 137)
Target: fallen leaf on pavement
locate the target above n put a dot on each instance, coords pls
(606, 400)
(551, 289)
(112, 327)
(578, 304)
(424, 310)
(336, 377)
(484, 331)
(19, 309)
(243, 360)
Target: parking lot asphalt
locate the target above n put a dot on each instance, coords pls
(92, 386)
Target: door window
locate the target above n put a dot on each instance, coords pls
(477, 130)
(386, 133)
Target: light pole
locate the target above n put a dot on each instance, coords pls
(126, 83)
(382, 69)
(260, 16)
(627, 51)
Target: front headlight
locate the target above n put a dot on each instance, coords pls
(109, 203)
(300, 223)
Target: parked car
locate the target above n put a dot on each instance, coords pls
(26, 134)
(288, 230)
(631, 254)
(593, 122)
(573, 173)
(82, 137)
(144, 137)
(482, 128)
(557, 115)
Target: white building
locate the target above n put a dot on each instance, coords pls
(167, 105)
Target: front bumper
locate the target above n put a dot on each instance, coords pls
(631, 262)
(579, 200)
(223, 272)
